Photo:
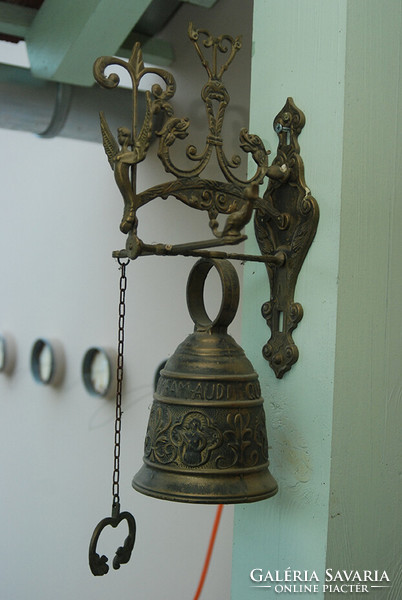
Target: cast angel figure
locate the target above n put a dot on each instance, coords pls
(121, 159)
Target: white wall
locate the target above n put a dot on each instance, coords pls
(60, 216)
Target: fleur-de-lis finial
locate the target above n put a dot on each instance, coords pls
(220, 44)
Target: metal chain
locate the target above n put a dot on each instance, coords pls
(119, 376)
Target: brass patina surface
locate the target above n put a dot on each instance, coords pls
(206, 440)
(286, 220)
(286, 216)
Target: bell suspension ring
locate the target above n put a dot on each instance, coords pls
(98, 564)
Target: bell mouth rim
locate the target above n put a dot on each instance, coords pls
(202, 489)
(205, 499)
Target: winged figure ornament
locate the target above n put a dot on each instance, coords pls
(121, 156)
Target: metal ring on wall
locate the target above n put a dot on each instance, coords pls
(47, 362)
(97, 372)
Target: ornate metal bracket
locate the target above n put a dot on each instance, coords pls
(285, 218)
(285, 221)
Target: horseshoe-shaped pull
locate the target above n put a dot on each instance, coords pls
(98, 564)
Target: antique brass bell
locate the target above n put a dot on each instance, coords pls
(206, 440)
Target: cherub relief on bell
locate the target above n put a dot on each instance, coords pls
(206, 440)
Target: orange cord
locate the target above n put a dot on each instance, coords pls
(209, 551)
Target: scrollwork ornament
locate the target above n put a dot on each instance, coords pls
(281, 352)
(132, 144)
(260, 434)
(267, 311)
(214, 92)
(295, 315)
(239, 441)
(286, 216)
(158, 446)
(306, 204)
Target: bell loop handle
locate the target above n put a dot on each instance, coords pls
(195, 294)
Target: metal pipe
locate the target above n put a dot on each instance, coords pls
(50, 109)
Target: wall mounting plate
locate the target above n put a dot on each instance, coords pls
(285, 221)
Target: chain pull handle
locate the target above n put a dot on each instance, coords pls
(119, 387)
(98, 564)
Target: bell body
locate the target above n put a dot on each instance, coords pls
(206, 440)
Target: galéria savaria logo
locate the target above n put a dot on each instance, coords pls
(335, 581)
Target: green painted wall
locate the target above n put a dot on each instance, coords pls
(334, 420)
(365, 524)
(293, 57)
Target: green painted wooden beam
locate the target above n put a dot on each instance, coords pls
(204, 3)
(158, 52)
(66, 37)
(15, 19)
(155, 51)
